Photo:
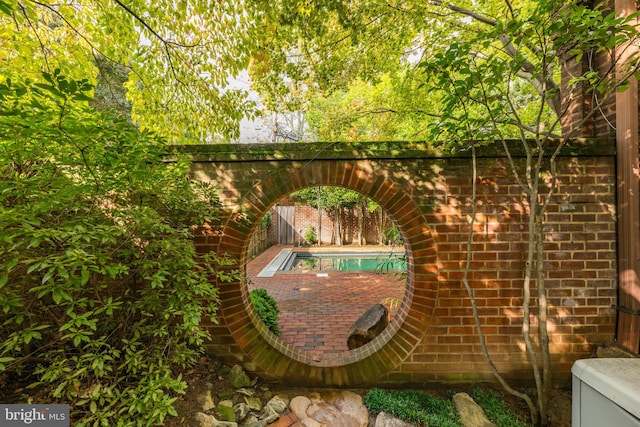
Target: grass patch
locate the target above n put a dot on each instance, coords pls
(496, 410)
(413, 406)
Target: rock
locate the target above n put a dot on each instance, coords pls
(205, 400)
(344, 409)
(254, 403)
(268, 416)
(612, 351)
(225, 411)
(252, 421)
(350, 403)
(271, 412)
(299, 405)
(225, 394)
(368, 326)
(278, 403)
(471, 414)
(245, 391)
(241, 410)
(385, 420)
(205, 420)
(238, 378)
(309, 422)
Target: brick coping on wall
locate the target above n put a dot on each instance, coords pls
(370, 150)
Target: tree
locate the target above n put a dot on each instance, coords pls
(102, 292)
(334, 200)
(493, 70)
(390, 109)
(529, 46)
(176, 58)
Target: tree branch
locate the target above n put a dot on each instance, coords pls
(526, 66)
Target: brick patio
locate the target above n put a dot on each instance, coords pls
(316, 313)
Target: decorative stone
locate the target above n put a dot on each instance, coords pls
(310, 422)
(612, 351)
(241, 410)
(245, 391)
(344, 409)
(385, 420)
(350, 403)
(368, 326)
(254, 403)
(252, 421)
(299, 405)
(471, 414)
(225, 411)
(238, 378)
(205, 400)
(278, 403)
(205, 420)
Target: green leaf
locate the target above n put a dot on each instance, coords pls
(4, 361)
(84, 275)
(7, 7)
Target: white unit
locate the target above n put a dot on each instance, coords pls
(606, 392)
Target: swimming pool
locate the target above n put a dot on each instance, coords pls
(310, 261)
(313, 262)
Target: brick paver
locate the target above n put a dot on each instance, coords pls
(316, 313)
(288, 420)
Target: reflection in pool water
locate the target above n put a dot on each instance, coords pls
(308, 262)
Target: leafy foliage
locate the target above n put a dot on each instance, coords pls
(496, 409)
(334, 200)
(310, 235)
(101, 290)
(266, 308)
(391, 108)
(176, 57)
(370, 70)
(413, 406)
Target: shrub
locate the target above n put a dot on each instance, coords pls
(266, 308)
(101, 290)
(392, 236)
(413, 406)
(310, 236)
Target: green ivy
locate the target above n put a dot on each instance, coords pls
(102, 293)
(413, 406)
(496, 409)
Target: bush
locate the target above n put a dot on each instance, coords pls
(413, 406)
(266, 308)
(392, 236)
(101, 290)
(310, 236)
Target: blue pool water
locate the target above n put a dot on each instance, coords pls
(308, 262)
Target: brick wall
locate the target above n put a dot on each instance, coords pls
(586, 114)
(323, 226)
(433, 337)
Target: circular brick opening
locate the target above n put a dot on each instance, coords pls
(270, 355)
(319, 300)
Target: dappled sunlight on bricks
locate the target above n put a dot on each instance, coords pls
(430, 200)
(316, 313)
